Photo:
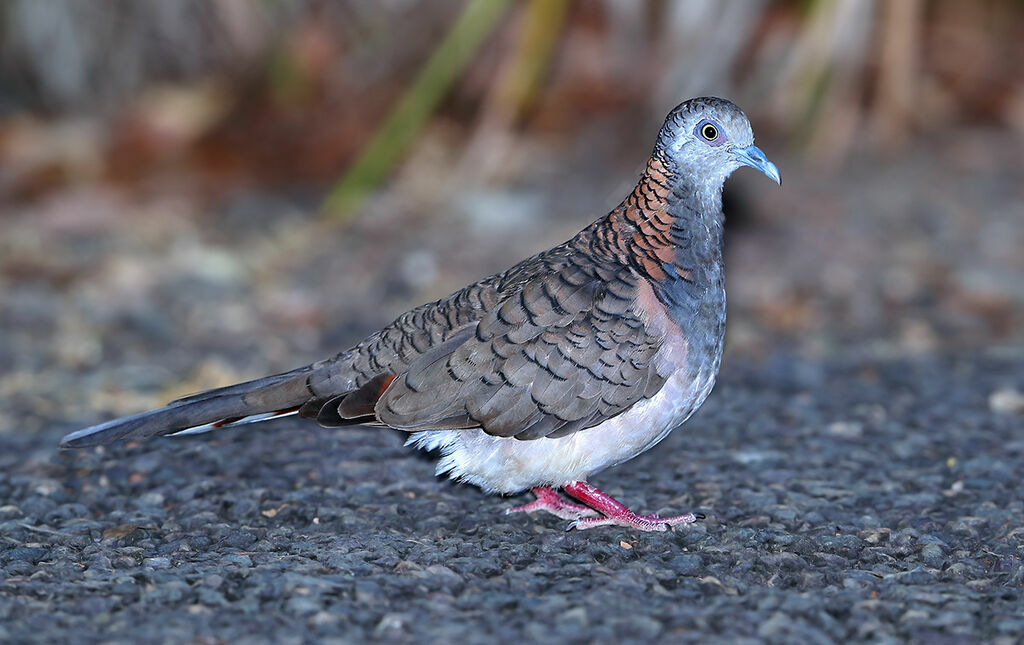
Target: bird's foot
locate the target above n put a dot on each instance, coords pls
(550, 501)
(616, 513)
(632, 520)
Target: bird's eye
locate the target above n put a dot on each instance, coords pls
(710, 131)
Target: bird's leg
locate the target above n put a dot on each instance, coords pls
(549, 500)
(616, 513)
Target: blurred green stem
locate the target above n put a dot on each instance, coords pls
(521, 80)
(477, 20)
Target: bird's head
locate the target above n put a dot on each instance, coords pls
(706, 139)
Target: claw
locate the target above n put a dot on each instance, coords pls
(641, 522)
(601, 510)
(617, 514)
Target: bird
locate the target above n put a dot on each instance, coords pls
(537, 378)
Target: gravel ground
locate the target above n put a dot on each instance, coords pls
(859, 463)
(851, 500)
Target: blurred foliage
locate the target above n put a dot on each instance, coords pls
(161, 164)
(307, 91)
(416, 106)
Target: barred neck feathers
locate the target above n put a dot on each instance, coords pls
(667, 227)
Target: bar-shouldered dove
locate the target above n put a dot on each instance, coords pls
(570, 362)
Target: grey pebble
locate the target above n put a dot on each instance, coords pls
(157, 563)
(686, 564)
(29, 554)
(933, 556)
(237, 559)
(915, 577)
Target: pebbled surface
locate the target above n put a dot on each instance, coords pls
(918, 463)
(846, 500)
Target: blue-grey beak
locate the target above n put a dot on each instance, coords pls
(753, 157)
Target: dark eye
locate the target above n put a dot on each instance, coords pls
(709, 131)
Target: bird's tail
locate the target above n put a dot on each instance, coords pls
(258, 400)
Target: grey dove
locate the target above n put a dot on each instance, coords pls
(539, 377)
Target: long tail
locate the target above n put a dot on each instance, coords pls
(258, 400)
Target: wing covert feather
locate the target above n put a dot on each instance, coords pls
(563, 352)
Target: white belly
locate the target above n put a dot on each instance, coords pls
(508, 465)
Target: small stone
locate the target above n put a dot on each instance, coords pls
(914, 616)
(686, 564)
(640, 627)
(443, 572)
(933, 556)
(32, 554)
(157, 563)
(304, 605)
(237, 559)
(19, 568)
(323, 618)
(915, 577)
(121, 531)
(845, 429)
(390, 624)
(1006, 400)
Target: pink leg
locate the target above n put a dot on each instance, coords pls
(616, 513)
(550, 501)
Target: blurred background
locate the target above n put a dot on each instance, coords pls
(202, 191)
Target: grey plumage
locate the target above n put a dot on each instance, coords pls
(565, 343)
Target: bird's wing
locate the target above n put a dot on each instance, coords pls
(549, 347)
(563, 352)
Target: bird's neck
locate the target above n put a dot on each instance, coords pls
(669, 228)
(669, 232)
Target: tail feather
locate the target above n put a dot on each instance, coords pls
(257, 400)
(234, 422)
(248, 387)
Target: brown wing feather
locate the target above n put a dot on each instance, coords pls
(562, 353)
(551, 346)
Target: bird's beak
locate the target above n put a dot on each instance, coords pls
(753, 157)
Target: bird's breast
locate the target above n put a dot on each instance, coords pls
(691, 342)
(508, 465)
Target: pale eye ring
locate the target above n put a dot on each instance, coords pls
(710, 132)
